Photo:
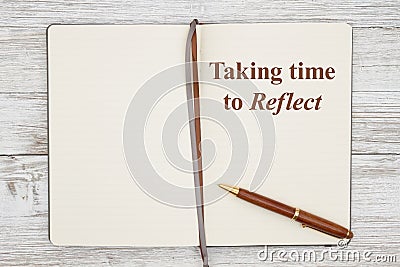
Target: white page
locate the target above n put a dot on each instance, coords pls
(311, 167)
(94, 72)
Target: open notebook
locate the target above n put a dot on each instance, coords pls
(104, 81)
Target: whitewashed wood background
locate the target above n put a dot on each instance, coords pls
(23, 125)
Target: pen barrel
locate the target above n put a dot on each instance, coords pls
(266, 203)
(323, 225)
(303, 217)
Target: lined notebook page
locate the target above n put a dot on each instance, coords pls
(311, 166)
(94, 72)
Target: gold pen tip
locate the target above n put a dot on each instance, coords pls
(233, 190)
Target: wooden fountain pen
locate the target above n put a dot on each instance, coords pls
(301, 216)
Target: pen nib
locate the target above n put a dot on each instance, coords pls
(233, 190)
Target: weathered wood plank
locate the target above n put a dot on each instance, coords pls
(376, 59)
(23, 124)
(376, 124)
(376, 102)
(376, 133)
(44, 12)
(23, 221)
(379, 77)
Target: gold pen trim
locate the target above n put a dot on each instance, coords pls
(296, 214)
(348, 234)
(233, 189)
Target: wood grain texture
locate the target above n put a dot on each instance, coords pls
(42, 13)
(23, 132)
(23, 120)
